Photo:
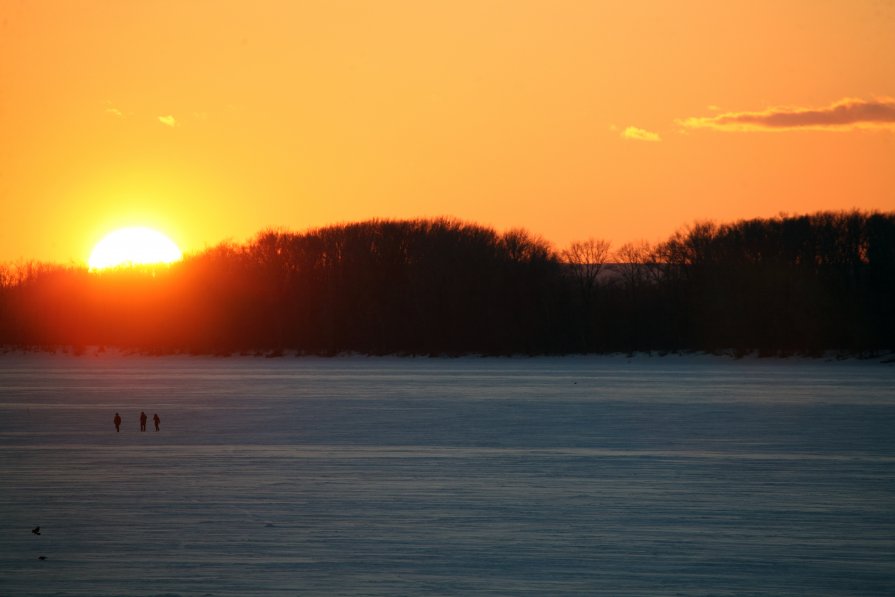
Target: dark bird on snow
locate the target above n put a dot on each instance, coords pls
(36, 530)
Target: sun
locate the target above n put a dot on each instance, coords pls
(133, 246)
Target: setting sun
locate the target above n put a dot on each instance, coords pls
(133, 246)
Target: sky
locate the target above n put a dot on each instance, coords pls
(212, 120)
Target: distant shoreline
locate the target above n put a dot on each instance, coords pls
(793, 285)
(93, 352)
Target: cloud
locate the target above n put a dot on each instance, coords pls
(846, 114)
(167, 120)
(638, 134)
(115, 112)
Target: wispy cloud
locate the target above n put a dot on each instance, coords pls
(637, 134)
(846, 114)
(168, 120)
(112, 110)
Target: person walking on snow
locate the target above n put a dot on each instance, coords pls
(142, 421)
(117, 420)
(156, 420)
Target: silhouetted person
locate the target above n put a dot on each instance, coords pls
(36, 530)
(142, 421)
(156, 420)
(117, 420)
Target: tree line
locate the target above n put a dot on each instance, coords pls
(785, 285)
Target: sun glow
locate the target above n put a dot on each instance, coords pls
(133, 246)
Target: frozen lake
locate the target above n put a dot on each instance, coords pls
(386, 476)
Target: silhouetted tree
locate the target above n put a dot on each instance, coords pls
(440, 286)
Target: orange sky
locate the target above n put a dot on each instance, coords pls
(212, 120)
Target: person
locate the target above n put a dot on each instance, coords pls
(156, 420)
(142, 421)
(117, 420)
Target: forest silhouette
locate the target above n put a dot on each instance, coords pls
(786, 285)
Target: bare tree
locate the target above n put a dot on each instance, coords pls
(635, 265)
(585, 260)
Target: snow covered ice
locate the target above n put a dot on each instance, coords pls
(387, 476)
